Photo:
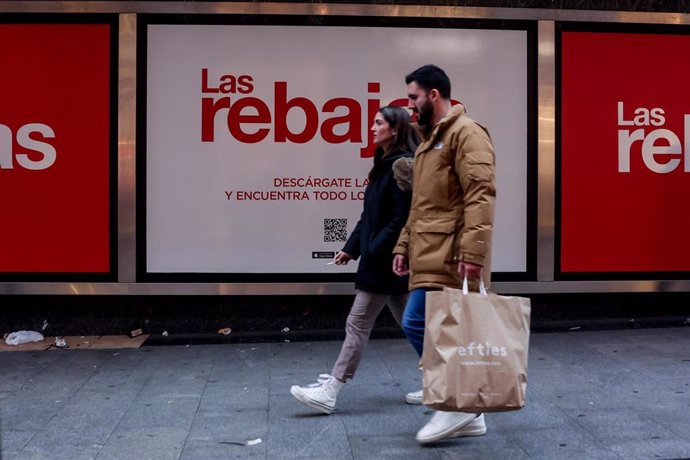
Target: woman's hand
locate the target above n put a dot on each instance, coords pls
(342, 258)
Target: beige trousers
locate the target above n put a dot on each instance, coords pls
(360, 322)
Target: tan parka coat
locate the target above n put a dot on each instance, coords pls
(453, 197)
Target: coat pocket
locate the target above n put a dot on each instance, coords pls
(431, 250)
(480, 166)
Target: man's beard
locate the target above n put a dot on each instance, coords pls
(425, 114)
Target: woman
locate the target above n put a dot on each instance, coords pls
(386, 207)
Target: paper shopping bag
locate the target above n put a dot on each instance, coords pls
(475, 351)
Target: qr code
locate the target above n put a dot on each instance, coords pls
(334, 230)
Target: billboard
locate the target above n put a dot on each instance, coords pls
(624, 153)
(57, 149)
(255, 143)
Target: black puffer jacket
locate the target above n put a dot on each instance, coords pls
(385, 212)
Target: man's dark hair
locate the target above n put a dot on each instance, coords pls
(431, 77)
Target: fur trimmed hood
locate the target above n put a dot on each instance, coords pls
(402, 172)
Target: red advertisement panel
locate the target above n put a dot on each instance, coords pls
(54, 148)
(625, 152)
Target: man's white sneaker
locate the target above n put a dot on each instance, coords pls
(414, 397)
(320, 396)
(476, 427)
(442, 425)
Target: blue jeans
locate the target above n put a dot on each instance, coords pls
(413, 318)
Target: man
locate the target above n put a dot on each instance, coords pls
(448, 233)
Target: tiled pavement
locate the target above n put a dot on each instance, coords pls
(622, 394)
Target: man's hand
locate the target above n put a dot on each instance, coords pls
(470, 270)
(400, 265)
(342, 258)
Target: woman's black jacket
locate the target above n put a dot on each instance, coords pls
(385, 212)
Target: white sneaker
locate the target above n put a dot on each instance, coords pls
(320, 396)
(323, 378)
(414, 397)
(442, 425)
(476, 427)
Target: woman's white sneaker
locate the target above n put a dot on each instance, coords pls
(321, 396)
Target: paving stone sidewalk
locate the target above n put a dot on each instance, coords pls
(620, 394)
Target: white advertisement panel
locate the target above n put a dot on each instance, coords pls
(258, 147)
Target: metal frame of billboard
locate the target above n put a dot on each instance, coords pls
(546, 20)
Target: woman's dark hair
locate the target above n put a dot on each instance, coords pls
(405, 139)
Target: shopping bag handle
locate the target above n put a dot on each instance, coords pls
(482, 288)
